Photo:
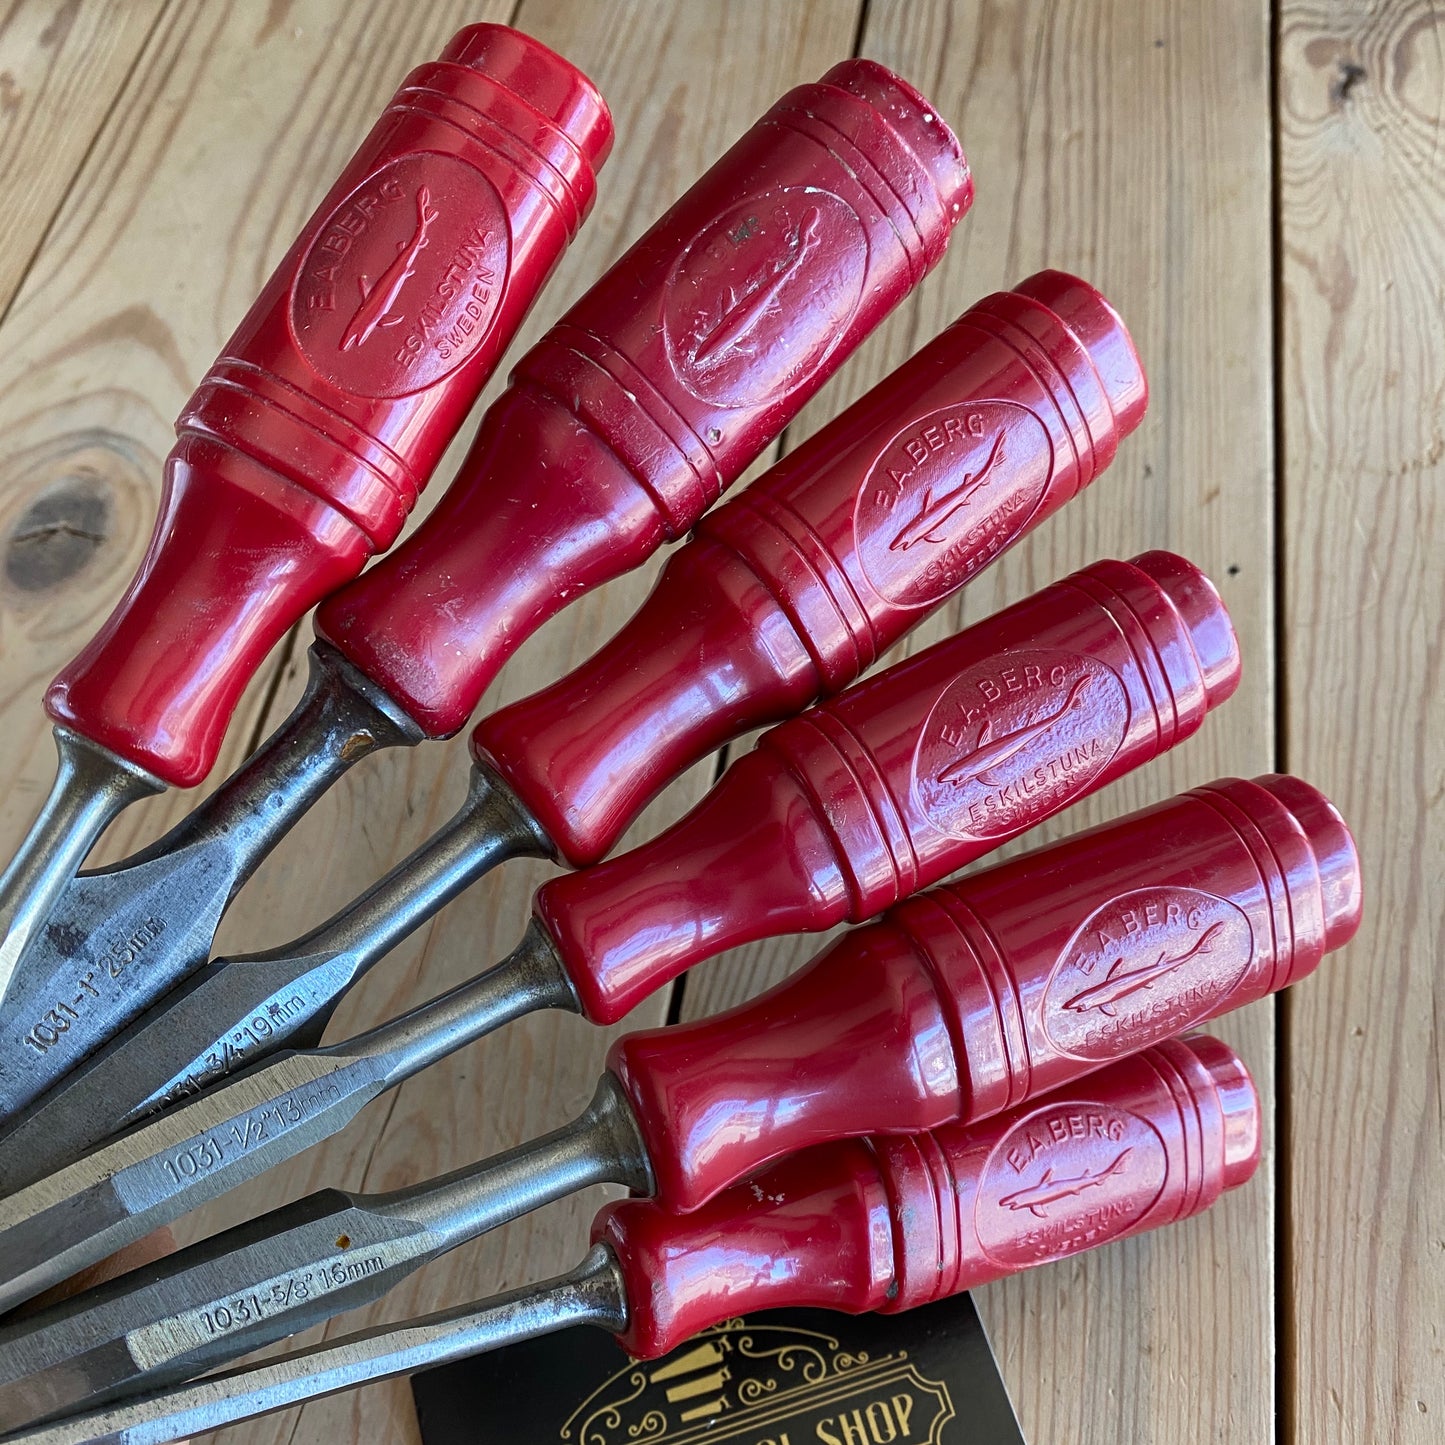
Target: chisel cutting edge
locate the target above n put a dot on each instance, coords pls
(616, 433)
(303, 450)
(788, 592)
(884, 1224)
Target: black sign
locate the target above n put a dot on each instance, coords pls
(785, 1377)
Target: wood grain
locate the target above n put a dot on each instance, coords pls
(1122, 142)
(1362, 170)
(158, 155)
(62, 65)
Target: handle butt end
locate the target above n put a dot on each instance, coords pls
(1084, 310)
(1210, 630)
(1335, 854)
(1238, 1106)
(918, 123)
(542, 79)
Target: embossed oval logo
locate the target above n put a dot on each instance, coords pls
(762, 296)
(947, 495)
(1146, 965)
(1024, 732)
(1065, 1177)
(402, 283)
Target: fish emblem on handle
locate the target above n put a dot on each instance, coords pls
(1120, 983)
(935, 513)
(743, 315)
(1037, 1197)
(377, 298)
(990, 752)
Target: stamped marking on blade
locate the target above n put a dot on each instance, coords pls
(1142, 967)
(403, 280)
(116, 956)
(158, 1344)
(1064, 1178)
(166, 1172)
(266, 1027)
(947, 495)
(1017, 736)
(759, 299)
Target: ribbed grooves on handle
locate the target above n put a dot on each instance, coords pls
(540, 79)
(224, 407)
(1136, 634)
(913, 120)
(1013, 1079)
(828, 763)
(1169, 1061)
(921, 235)
(484, 117)
(987, 317)
(828, 616)
(609, 394)
(1273, 875)
(516, 75)
(865, 174)
(927, 1242)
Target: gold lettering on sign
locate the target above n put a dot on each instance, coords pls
(753, 1384)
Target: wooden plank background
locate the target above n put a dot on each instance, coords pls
(1259, 187)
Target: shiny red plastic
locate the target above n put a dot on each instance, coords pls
(657, 389)
(303, 450)
(794, 589)
(843, 811)
(890, 1224)
(979, 995)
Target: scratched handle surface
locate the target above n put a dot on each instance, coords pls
(303, 450)
(794, 589)
(656, 390)
(889, 1224)
(843, 811)
(981, 994)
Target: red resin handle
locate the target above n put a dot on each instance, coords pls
(844, 811)
(303, 450)
(793, 590)
(890, 1224)
(981, 994)
(657, 389)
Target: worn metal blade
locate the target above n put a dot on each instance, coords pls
(591, 1294)
(177, 1162)
(199, 1150)
(91, 786)
(293, 1268)
(235, 1012)
(117, 939)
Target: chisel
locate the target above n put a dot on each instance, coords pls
(619, 429)
(962, 1003)
(833, 816)
(884, 1224)
(771, 604)
(303, 450)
